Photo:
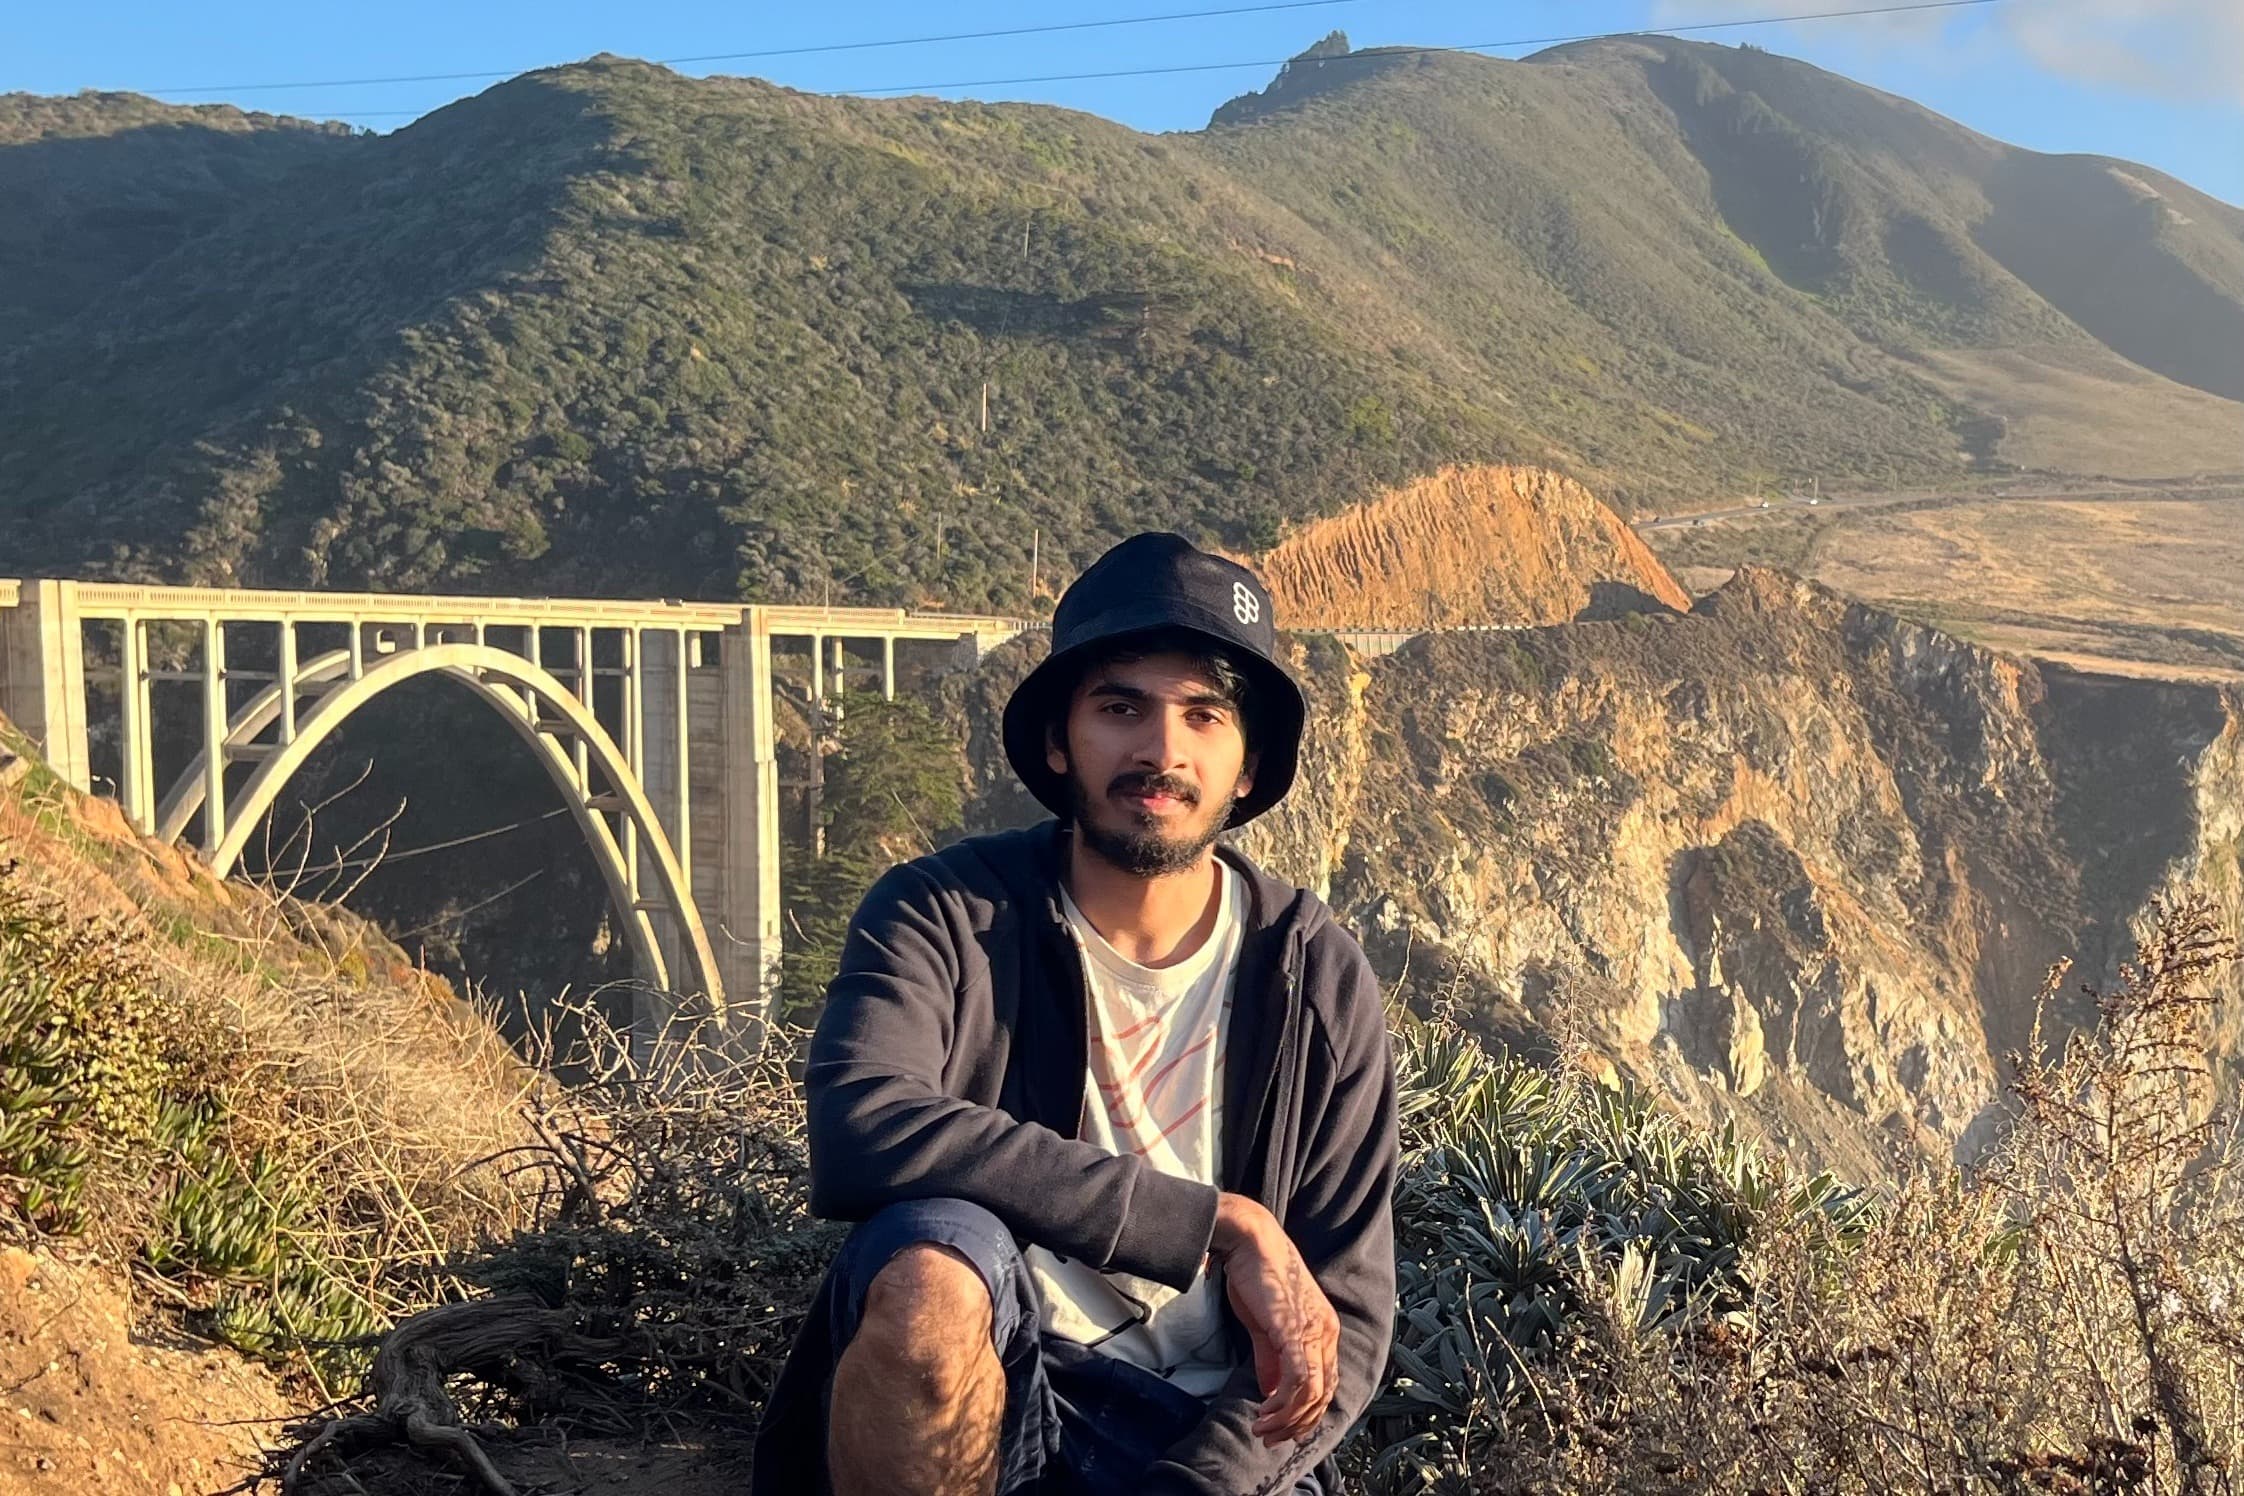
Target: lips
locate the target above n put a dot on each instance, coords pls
(1155, 797)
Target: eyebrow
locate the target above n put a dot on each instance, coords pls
(1121, 692)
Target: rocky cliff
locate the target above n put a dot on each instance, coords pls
(1470, 544)
(1790, 859)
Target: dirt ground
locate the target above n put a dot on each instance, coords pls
(91, 1406)
(94, 1407)
(688, 1462)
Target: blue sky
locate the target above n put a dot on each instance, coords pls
(2157, 81)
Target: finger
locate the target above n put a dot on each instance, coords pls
(1331, 1369)
(1315, 1395)
(1295, 1425)
(1316, 1345)
(1326, 1384)
(1269, 1362)
(1277, 1411)
(1298, 1412)
(1293, 1373)
(1279, 1427)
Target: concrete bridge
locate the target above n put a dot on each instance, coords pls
(653, 720)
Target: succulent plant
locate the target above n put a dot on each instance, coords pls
(1526, 1193)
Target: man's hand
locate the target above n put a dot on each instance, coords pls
(1296, 1335)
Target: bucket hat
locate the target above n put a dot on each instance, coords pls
(1160, 582)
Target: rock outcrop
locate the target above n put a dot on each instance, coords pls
(1467, 545)
(1791, 859)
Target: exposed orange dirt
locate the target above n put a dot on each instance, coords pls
(1465, 545)
(90, 1406)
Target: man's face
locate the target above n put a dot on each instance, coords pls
(1154, 754)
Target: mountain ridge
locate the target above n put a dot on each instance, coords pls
(603, 328)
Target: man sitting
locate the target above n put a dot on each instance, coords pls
(1113, 1107)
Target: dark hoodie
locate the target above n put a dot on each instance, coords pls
(949, 1062)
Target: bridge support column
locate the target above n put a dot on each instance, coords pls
(743, 887)
(136, 701)
(43, 676)
(665, 763)
(216, 720)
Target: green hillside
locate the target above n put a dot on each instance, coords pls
(94, 188)
(608, 329)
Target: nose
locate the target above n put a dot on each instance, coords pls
(1161, 745)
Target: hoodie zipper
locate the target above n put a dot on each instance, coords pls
(1069, 958)
(1241, 1132)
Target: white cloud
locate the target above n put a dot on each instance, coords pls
(2163, 48)
(2170, 49)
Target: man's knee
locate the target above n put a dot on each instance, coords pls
(927, 1315)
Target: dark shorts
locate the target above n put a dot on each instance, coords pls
(1076, 1423)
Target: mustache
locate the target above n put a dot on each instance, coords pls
(1154, 784)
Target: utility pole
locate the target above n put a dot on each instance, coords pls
(1036, 556)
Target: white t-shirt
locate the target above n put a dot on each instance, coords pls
(1155, 1088)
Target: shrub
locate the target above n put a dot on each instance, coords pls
(1595, 1297)
(2063, 1320)
(93, 1053)
(895, 788)
(1528, 1195)
(268, 1187)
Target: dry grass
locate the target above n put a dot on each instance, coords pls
(2145, 579)
(290, 1132)
(2067, 1321)
(2140, 581)
(667, 1265)
(2087, 410)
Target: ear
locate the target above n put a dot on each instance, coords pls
(1055, 747)
(1246, 775)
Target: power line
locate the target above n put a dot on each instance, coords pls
(460, 916)
(1530, 41)
(804, 51)
(1457, 48)
(442, 846)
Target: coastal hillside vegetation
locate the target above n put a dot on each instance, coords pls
(248, 1105)
(604, 329)
(1595, 1296)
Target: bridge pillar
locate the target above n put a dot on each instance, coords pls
(738, 888)
(43, 676)
(666, 764)
(974, 646)
(217, 719)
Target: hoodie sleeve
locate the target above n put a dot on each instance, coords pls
(1341, 1218)
(883, 1129)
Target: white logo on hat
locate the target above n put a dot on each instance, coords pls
(1245, 606)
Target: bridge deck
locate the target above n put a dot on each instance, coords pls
(249, 605)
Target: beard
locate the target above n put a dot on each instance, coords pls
(1145, 846)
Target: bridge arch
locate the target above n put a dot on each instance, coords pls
(561, 732)
(188, 791)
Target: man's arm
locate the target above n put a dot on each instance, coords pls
(882, 1129)
(1341, 1221)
